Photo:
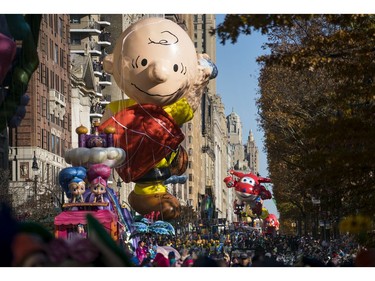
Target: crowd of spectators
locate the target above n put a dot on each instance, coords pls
(243, 249)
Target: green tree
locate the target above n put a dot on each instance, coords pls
(316, 107)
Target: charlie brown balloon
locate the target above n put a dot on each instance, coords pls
(155, 64)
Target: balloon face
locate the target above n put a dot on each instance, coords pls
(77, 188)
(98, 189)
(154, 61)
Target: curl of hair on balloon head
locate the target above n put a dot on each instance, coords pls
(96, 171)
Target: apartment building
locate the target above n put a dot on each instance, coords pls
(38, 144)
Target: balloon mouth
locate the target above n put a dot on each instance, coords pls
(156, 95)
(243, 195)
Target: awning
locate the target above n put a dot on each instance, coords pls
(79, 217)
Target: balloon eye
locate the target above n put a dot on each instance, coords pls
(144, 62)
(175, 68)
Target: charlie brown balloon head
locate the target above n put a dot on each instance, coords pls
(154, 61)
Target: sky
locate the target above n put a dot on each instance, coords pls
(237, 84)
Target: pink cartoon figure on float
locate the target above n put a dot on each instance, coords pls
(154, 62)
(97, 176)
(248, 190)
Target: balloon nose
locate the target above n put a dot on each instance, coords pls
(158, 72)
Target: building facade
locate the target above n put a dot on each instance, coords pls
(38, 144)
(252, 154)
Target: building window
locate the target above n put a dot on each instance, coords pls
(53, 144)
(75, 39)
(55, 27)
(75, 18)
(57, 82)
(190, 177)
(52, 85)
(190, 190)
(40, 77)
(57, 145)
(50, 17)
(62, 86)
(61, 28)
(44, 44)
(62, 147)
(51, 48)
(48, 171)
(62, 56)
(24, 170)
(46, 71)
(42, 73)
(43, 143)
(48, 141)
(56, 54)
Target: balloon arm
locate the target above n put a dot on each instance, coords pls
(264, 180)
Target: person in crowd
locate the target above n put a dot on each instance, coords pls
(172, 259)
(235, 261)
(188, 257)
(226, 259)
(147, 262)
(245, 260)
(141, 251)
(160, 261)
(204, 261)
(152, 249)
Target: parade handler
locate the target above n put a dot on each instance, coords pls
(155, 64)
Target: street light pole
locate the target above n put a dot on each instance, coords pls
(35, 168)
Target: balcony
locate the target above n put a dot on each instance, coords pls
(56, 97)
(57, 104)
(107, 100)
(104, 102)
(94, 48)
(96, 115)
(104, 39)
(76, 47)
(90, 27)
(207, 149)
(98, 91)
(104, 21)
(98, 68)
(105, 80)
(96, 110)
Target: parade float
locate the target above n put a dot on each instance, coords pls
(85, 184)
